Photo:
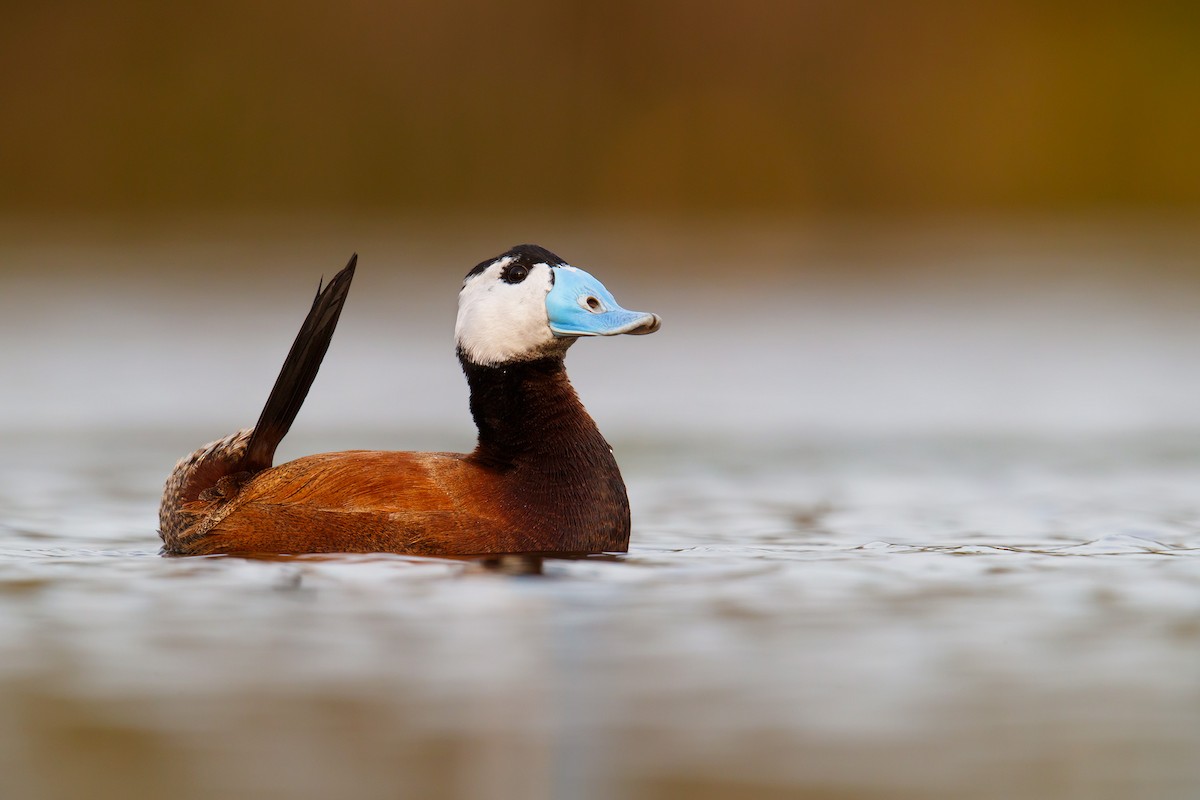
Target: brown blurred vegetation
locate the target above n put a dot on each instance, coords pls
(668, 106)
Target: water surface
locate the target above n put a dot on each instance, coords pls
(913, 517)
(838, 617)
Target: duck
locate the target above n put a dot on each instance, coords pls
(541, 480)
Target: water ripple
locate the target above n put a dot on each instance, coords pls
(783, 617)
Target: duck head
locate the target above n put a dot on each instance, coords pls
(528, 303)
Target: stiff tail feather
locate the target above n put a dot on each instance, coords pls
(201, 480)
(299, 370)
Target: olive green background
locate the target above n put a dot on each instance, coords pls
(135, 108)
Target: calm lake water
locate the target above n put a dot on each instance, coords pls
(930, 617)
(926, 532)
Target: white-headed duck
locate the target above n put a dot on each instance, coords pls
(541, 479)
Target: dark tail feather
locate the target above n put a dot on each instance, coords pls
(299, 371)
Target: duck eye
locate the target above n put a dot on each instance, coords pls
(514, 273)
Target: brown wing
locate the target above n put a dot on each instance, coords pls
(366, 501)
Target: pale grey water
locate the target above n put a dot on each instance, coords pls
(935, 534)
(924, 617)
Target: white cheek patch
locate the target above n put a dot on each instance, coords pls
(498, 321)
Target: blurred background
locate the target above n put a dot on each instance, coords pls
(913, 460)
(920, 214)
(637, 109)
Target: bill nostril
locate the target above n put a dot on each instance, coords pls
(593, 303)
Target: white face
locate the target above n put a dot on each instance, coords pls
(502, 314)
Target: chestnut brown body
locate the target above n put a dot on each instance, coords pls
(542, 480)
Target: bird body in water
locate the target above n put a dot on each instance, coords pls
(541, 480)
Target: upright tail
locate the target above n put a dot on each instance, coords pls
(299, 370)
(201, 480)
